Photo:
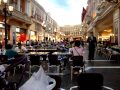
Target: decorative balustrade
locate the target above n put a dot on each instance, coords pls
(21, 16)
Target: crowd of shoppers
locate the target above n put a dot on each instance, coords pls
(20, 48)
(75, 47)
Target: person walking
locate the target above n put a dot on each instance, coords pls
(92, 43)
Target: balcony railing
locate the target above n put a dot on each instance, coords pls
(21, 17)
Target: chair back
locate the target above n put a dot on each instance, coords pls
(3, 58)
(19, 57)
(58, 82)
(53, 59)
(90, 81)
(77, 60)
(35, 59)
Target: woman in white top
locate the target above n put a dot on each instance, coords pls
(77, 50)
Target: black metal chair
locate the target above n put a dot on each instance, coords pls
(6, 84)
(21, 64)
(78, 64)
(58, 82)
(34, 61)
(90, 81)
(53, 62)
(3, 59)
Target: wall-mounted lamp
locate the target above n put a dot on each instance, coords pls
(112, 1)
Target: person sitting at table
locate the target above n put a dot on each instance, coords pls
(20, 48)
(0, 45)
(10, 52)
(27, 43)
(77, 50)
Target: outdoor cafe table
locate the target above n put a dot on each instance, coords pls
(33, 53)
(43, 54)
(65, 56)
(42, 50)
(62, 53)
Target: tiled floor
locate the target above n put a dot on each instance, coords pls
(110, 71)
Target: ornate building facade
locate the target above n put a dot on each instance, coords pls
(103, 20)
(26, 22)
(71, 32)
(18, 22)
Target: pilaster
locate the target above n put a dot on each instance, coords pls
(116, 26)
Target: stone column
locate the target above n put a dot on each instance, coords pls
(116, 26)
(18, 1)
(12, 34)
(96, 34)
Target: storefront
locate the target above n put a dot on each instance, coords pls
(103, 28)
(33, 35)
(2, 31)
(19, 35)
(116, 26)
(106, 35)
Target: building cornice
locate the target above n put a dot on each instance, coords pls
(21, 17)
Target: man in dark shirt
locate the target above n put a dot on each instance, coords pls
(92, 44)
(10, 52)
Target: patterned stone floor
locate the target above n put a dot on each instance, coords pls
(109, 69)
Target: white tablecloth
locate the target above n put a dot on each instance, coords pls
(39, 81)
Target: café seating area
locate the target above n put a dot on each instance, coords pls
(110, 53)
(52, 62)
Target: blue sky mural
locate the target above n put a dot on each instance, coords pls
(61, 3)
(64, 12)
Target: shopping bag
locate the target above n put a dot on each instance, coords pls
(39, 81)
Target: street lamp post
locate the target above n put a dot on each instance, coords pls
(60, 36)
(44, 33)
(44, 28)
(6, 34)
(55, 31)
(6, 13)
